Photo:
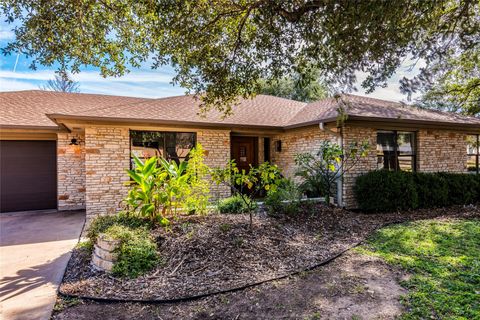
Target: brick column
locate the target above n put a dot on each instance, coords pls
(217, 147)
(107, 156)
(71, 172)
(369, 163)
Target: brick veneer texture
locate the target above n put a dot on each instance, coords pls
(440, 150)
(71, 171)
(302, 140)
(365, 164)
(217, 147)
(107, 156)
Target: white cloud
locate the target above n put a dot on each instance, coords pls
(408, 68)
(7, 35)
(90, 76)
(15, 85)
(139, 83)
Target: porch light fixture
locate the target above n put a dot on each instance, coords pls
(74, 142)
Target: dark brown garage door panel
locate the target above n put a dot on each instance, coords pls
(28, 172)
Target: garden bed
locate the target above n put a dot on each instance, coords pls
(213, 253)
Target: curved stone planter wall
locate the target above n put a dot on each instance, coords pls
(103, 256)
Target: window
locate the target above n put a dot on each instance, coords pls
(473, 153)
(266, 149)
(169, 145)
(396, 150)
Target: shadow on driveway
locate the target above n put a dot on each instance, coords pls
(34, 251)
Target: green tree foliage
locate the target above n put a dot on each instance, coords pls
(198, 194)
(302, 86)
(221, 49)
(61, 83)
(453, 84)
(248, 184)
(320, 171)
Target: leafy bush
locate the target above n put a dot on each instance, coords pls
(198, 194)
(320, 172)
(234, 204)
(388, 191)
(247, 185)
(102, 223)
(384, 190)
(158, 187)
(432, 190)
(137, 252)
(284, 200)
(462, 188)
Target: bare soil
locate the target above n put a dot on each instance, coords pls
(354, 286)
(220, 252)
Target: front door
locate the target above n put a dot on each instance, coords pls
(244, 152)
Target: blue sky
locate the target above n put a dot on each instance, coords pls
(142, 82)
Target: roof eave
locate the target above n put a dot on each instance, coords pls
(52, 129)
(423, 123)
(60, 118)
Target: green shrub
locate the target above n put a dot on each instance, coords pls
(137, 252)
(432, 190)
(101, 223)
(462, 188)
(233, 204)
(384, 190)
(284, 200)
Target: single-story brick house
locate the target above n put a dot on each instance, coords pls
(70, 150)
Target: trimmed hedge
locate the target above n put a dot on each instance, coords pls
(382, 190)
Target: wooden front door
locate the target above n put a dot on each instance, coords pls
(244, 152)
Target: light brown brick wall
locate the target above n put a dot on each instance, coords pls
(107, 156)
(295, 141)
(217, 146)
(441, 150)
(365, 164)
(71, 172)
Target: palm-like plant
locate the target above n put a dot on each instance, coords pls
(144, 196)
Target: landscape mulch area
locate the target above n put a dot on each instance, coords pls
(354, 286)
(219, 252)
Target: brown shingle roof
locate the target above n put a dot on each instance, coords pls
(29, 108)
(366, 108)
(265, 111)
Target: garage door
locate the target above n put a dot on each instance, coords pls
(28, 174)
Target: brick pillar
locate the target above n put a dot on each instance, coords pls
(217, 147)
(71, 172)
(107, 156)
(369, 163)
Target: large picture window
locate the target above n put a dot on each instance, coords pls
(168, 145)
(396, 150)
(473, 153)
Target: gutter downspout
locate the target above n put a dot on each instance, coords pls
(339, 136)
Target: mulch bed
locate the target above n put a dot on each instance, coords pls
(219, 252)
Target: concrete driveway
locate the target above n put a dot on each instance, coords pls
(34, 251)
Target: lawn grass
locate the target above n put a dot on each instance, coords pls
(443, 259)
